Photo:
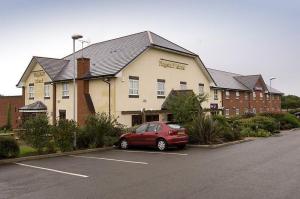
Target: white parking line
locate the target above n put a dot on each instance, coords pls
(109, 159)
(53, 170)
(164, 153)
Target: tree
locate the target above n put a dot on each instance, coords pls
(290, 102)
(185, 107)
(9, 118)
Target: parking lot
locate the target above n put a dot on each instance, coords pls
(264, 168)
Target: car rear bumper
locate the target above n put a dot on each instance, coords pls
(177, 140)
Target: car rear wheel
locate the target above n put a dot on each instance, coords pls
(161, 145)
(123, 144)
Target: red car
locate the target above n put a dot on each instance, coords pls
(155, 134)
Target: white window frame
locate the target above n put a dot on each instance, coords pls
(237, 111)
(227, 94)
(237, 95)
(246, 96)
(267, 96)
(31, 91)
(183, 85)
(227, 112)
(216, 96)
(254, 95)
(254, 110)
(133, 86)
(261, 95)
(201, 89)
(47, 90)
(161, 88)
(65, 89)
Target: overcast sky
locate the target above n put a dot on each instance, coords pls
(246, 37)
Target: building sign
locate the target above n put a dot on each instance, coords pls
(39, 76)
(214, 106)
(172, 64)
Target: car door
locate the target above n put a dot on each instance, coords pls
(149, 137)
(137, 137)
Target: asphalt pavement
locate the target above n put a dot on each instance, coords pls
(264, 168)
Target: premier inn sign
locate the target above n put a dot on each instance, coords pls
(172, 64)
(38, 76)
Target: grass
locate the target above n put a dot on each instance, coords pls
(27, 150)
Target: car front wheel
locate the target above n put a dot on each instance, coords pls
(161, 145)
(123, 144)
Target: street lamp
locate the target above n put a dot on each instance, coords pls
(270, 91)
(74, 37)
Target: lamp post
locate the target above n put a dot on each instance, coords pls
(74, 37)
(272, 78)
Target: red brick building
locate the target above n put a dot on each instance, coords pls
(15, 102)
(245, 93)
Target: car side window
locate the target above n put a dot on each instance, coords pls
(142, 128)
(159, 128)
(152, 128)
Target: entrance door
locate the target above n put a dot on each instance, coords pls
(151, 118)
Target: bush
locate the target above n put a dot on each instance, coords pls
(84, 140)
(100, 125)
(63, 134)
(286, 120)
(204, 130)
(9, 147)
(37, 132)
(258, 122)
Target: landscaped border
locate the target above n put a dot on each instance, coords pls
(52, 155)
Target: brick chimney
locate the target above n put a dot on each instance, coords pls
(85, 105)
(83, 67)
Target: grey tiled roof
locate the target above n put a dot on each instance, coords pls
(273, 90)
(248, 80)
(36, 106)
(51, 66)
(109, 57)
(225, 79)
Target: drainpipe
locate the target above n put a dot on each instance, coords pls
(107, 80)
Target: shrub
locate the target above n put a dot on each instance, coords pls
(204, 129)
(258, 122)
(37, 132)
(262, 133)
(286, 120)
(100, 125)
(9, 147)
(63, 134)
(84, 140)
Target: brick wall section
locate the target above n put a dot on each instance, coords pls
(16, 102)
(83, 68)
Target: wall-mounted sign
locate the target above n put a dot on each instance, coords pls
(39, 76)
(172, 64)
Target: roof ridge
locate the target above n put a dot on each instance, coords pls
(224, 71)
(48, 57)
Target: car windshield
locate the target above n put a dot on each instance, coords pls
(174, 126)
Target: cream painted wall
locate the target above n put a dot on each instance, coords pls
(99, 91)
(65, 104)
(39, 90)
(218, 101)
(147, 68)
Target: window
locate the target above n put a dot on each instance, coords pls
(65, 91)
(142, 128)
(46, 90)
(62, 114)
(227, 112)
(183, 86)
(237, 95)
(136, 120)
(161, 88)
(246, 110)
(246, 96)
(201, 89)
(150, 118)
(261, 95)
(215, 94)
(227, 94)
(153, 127)
(31, 91)
(133, 87)
(237, 111)
(254, 110)
(254, 95)
(268, 96)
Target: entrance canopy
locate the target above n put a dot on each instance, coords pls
(36, 107)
